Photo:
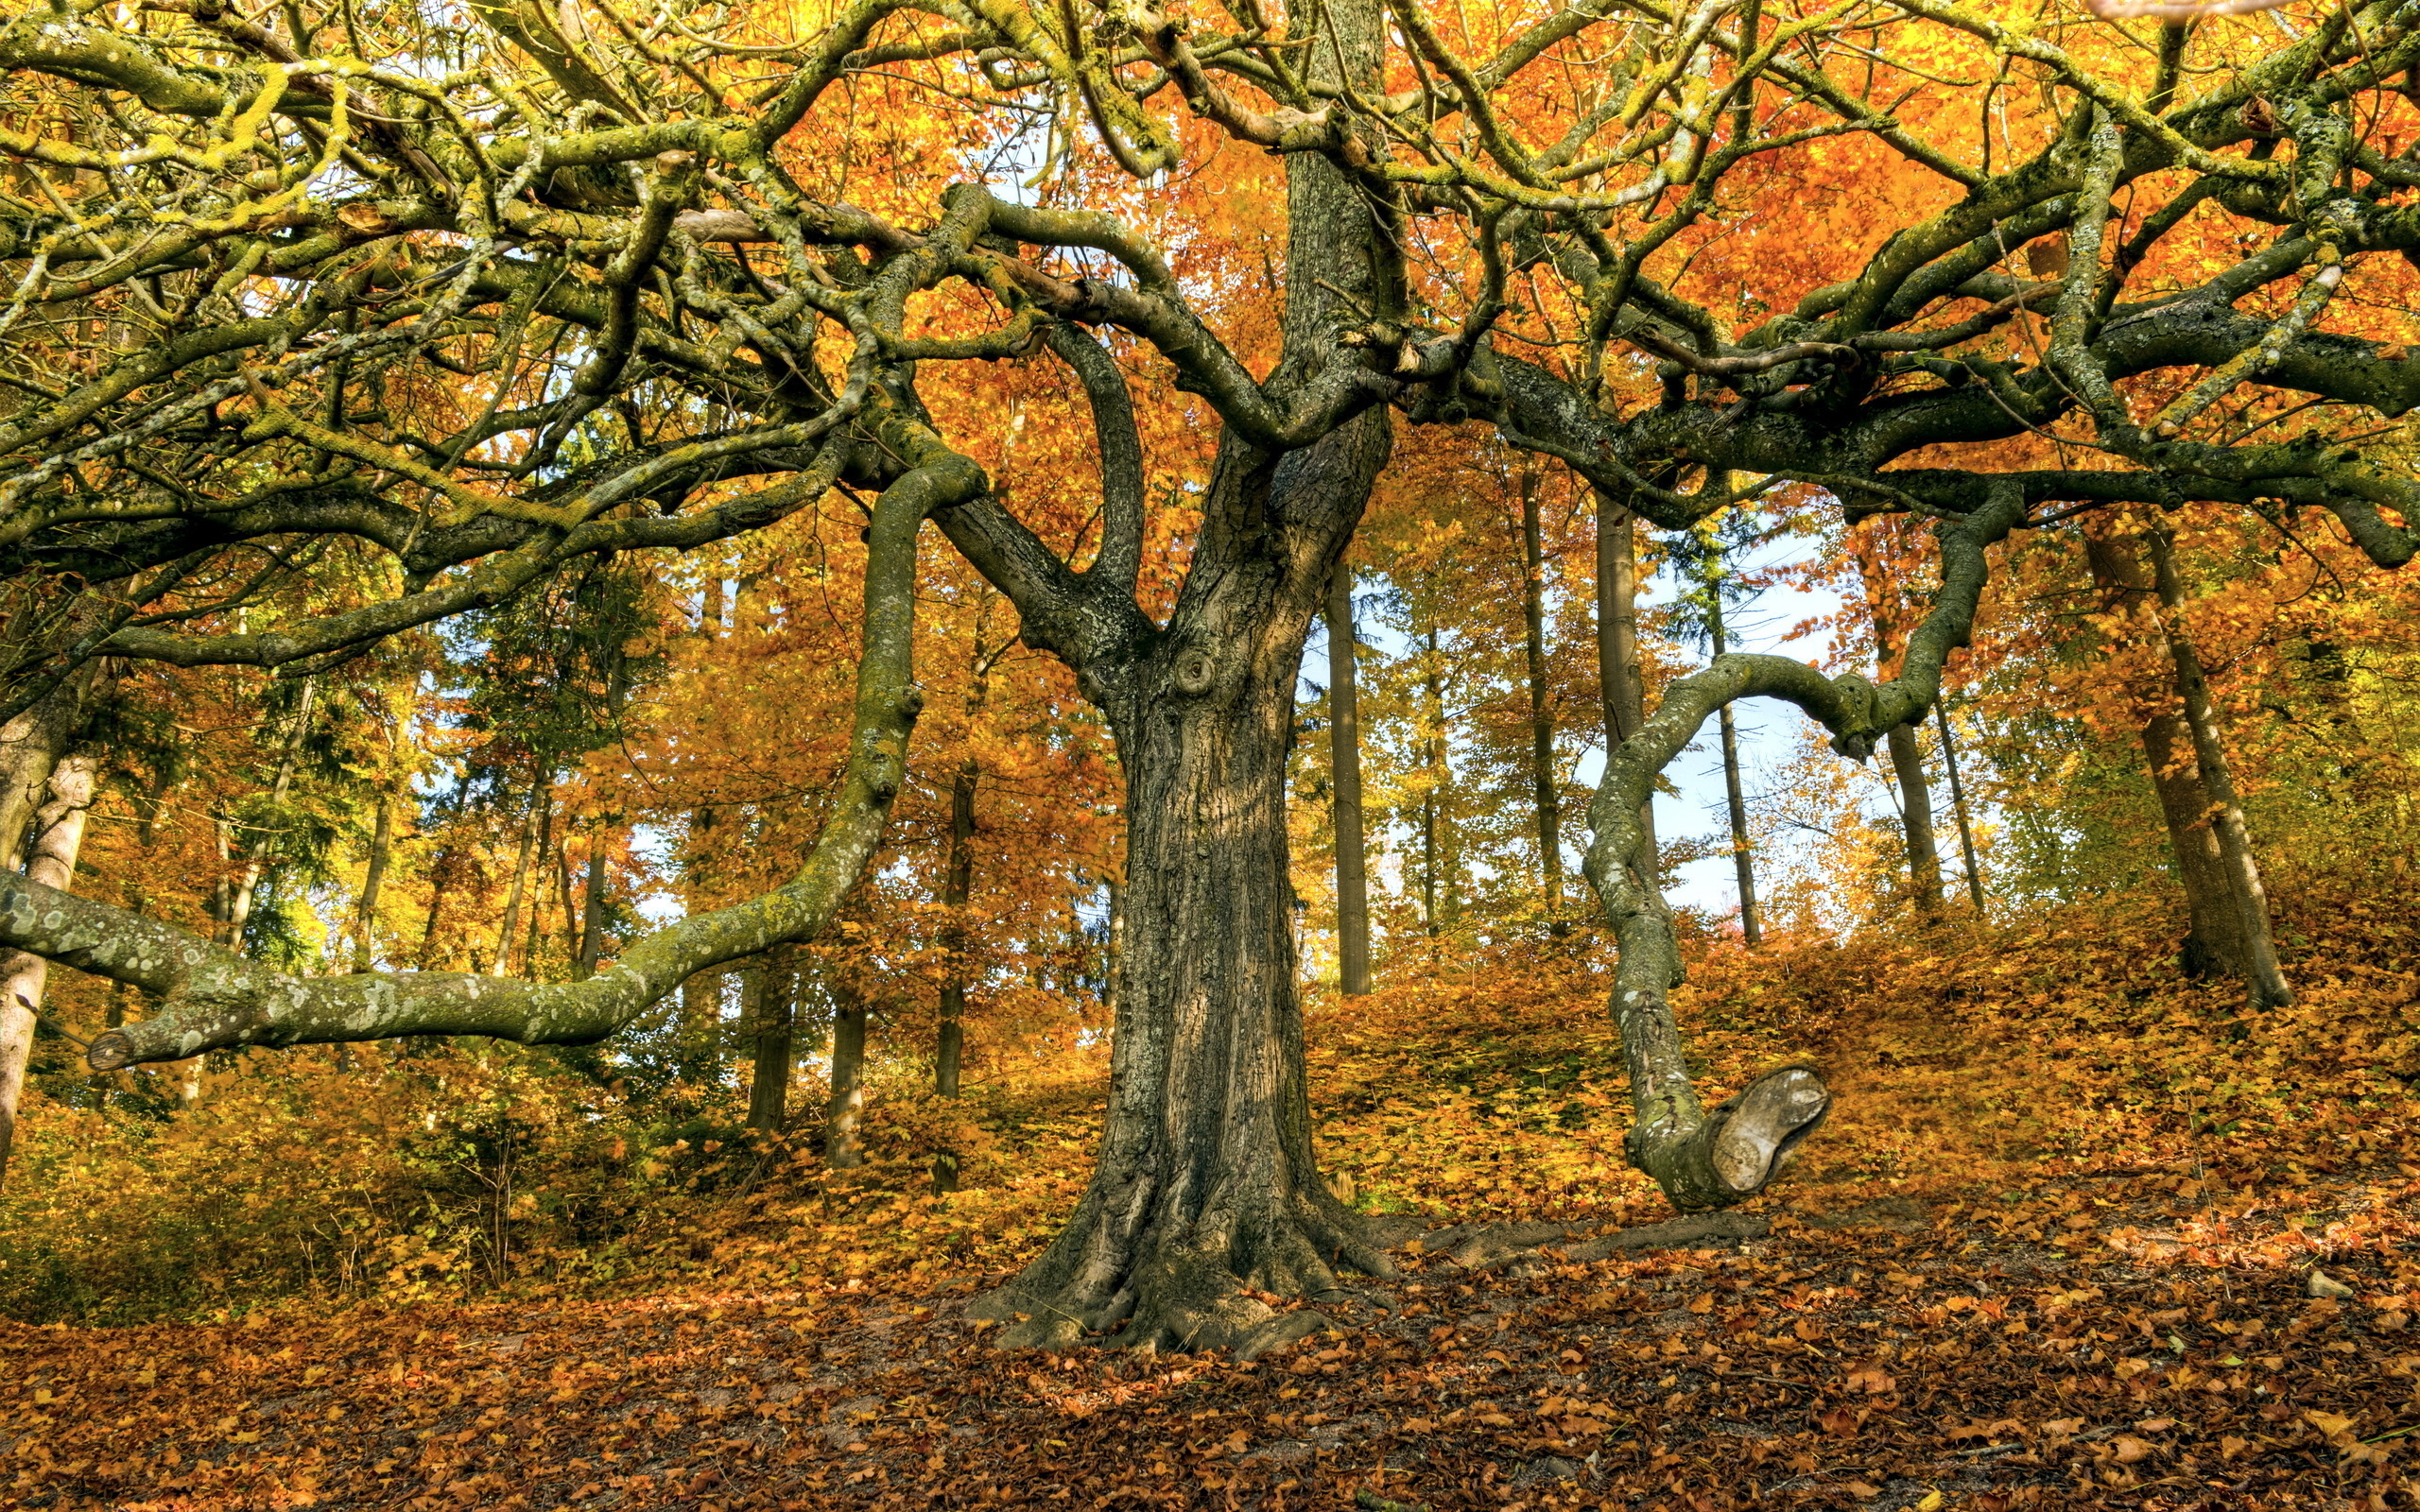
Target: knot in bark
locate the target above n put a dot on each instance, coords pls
(1194, 671)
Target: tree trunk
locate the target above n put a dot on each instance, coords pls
(373, 882)
(2263, 978)
(1742, 861)
(772, 1017)
(1621, 680)
(2216, 941)
(252, 851)
(1206, 1183)
(441, 881)
(1957, 805)
(842, 1150)
(1915, 818)
(1432, 685)
(512, 896)
(1546, 783)
(958, 882)
(56, 833)
(592, 905)
(30, 747)
(1344, 753)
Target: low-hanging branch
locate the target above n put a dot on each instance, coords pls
(213, 998)
(1711, 1158)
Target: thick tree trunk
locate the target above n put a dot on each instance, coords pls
(1957, 806)
(772, 1019)
(842, 1149)
(1546, 783)
(1206, 1184)
(1915, 818)
(56, 833)
(30, 747)
(1344, 753)
(1621, 680)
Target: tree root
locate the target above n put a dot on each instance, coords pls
(1189, 1294)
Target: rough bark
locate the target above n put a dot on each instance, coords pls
(1621, 680)
(1344, 763)
(1432, 796)
(1546, 784)
(2214, 942)
(1206, 1184)
(843, 1148)
(56, 833)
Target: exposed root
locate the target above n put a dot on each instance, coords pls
(1192, 1287)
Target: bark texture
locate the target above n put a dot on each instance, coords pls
(771, 1018)
(1621, 682)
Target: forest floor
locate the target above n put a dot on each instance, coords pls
(2054, 1249)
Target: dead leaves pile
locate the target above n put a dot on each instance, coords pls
(1887, 1362)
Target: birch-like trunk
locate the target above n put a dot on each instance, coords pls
(56, 834)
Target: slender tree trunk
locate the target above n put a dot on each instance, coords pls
(1433, 683)
(2215, 943)
(441, 882)
(2265, 979)
(252, 851)
(1546, 782)
(592, 905)
(772, 1017)
(1957, 805)
(373, 881)
(56, 833)
(1621, 680)
(512, 896)
(1915, 818)
(957, 883)
(842, 1150)
(537, 898)
(1344, 753)
(1742, 860)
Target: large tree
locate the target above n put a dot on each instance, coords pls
(483, 301)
